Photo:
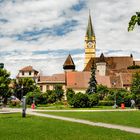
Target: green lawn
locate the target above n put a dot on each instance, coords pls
(63, 107)
(131, 118)
(13, 127)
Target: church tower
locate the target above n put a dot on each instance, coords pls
(90, 42)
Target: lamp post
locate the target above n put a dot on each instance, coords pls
(23, 99)
(115, 105)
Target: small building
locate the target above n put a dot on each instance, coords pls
(29, 72)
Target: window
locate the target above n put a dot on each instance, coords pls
(22, 72)
(47, 87)
(41, 88)
(30, 72)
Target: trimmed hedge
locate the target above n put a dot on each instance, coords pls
(106, 103)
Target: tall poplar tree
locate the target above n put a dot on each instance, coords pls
(92, 83)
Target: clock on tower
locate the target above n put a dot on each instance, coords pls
(90, 42)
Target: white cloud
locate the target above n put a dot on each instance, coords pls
(110, 21)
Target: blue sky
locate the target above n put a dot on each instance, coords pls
(42, 33)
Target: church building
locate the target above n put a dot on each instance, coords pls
(112, 72)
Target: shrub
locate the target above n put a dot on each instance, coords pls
(93, 100)
(102, 91)
(80, 100)
(52, 97)
(106, 103)
(59, 92)
(70, 94)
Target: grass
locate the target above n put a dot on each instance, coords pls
(13, 127)
(131, 118)
(63, 107)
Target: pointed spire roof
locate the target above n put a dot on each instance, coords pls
(102, 58)
(90, 32)
(69, 64)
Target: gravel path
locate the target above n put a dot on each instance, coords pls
(106, 125)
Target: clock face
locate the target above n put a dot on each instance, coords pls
(90, 44)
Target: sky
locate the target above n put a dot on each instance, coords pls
(42, 33)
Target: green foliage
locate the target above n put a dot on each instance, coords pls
(138, 100)
(70, 94)
(80, 100)
(102, 91)
(59, 92)
(106, 103)
(23, 86)
(135, 19)
(35, 96)
(93, 100)
(134, 67)
(52, 97)
(122, 96)
(92, 83)
(5, 80)
(135, 88)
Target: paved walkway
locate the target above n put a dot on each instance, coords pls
(106, 125)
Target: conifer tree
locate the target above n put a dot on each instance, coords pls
(92, 83)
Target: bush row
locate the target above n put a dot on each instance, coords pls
(81, 100)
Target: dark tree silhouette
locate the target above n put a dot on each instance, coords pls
(92, 83)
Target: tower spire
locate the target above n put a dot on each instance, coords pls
(90, 42)
(90, 32)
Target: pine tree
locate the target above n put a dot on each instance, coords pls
(92, 83)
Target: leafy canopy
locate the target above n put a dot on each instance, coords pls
(135, 19)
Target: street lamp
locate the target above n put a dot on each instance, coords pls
(115, 105)
(23, 99)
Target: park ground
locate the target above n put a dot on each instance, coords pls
(14, 127)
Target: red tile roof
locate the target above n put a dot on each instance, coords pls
(126, 78)
(112, 62)
(80, 80)
(28, 68)
(56, 78)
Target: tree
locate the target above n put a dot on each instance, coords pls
(93, 100)
(135, 19)
(24, 85)
(92, 83)
(102, 91)
(4, 85)
(37, 97)
(59, 92)
(70, 94)
(135, 88)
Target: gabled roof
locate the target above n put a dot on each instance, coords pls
(69, 64)
(90, 32)
(56, 78)
(116, 63)
(28, 68)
